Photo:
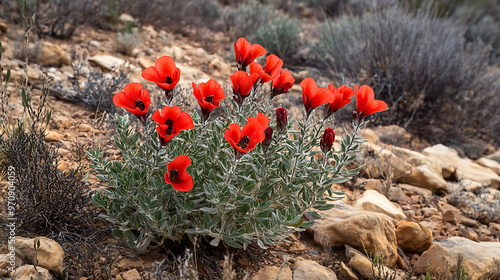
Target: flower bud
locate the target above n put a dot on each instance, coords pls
(281, 119)
(269, 137)
(327, 139)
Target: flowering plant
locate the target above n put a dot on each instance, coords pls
(246, 177)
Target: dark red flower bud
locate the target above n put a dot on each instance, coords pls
(281, 119)
(327, 139)
(269, 137)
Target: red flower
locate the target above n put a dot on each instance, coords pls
(244, 140)
(366, 103)
(246, 53)
(134, 99)
(326, 141)
(268, 72)
(257, 69)
(273, 66)
(165, 74)
(242, 85)
(171, 121)
(341, 97)
(177, 175)
(282, 83)
(209, 95)
(314, 96)
(281, 119)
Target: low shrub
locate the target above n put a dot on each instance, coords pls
(97, 88)
(126, 42)
(173, 15)
(247, 18)
(422, 66)
(192, 176)
(48, 201)
(280, 36)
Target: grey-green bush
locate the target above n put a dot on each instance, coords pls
(280, 37)
(434, 81)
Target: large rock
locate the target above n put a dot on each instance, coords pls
(426, 172)
(478, 257)
(386, 163)
(494, 156)
(490, 163)
(274, 272)
(191, 74)
(343, 225)
(50, 255)
(53, 55)
(364, 266)
(374, 201)
(28, 272)
(465, 168)
(311, 270)
(106, 62)
(413, 237)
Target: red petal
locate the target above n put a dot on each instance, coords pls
(184, 122)
(121, 100)
(165, 66)
(151, 74)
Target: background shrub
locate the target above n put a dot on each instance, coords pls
(280, 37)
(422, 66)
(173, 15)
(49, 202)
(247, 18)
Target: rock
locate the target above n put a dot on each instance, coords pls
(417, 190)
(374, 201)
(369, 135)
(8, 261)
(413, 237)
(50, 255)
(106, 62)
(124, 18)
(130, 263)
(145, 63)
(63, 123)
(131, 275)
(479, 257)
(175, 52)
(347, 271)
(396, 194)
(53, 55)
(52, 136)
(364, 266)
(343, 225)
(86, 127)
(426, 172)
(472, 186)
(465, 168)
(28, 272)
(220, 65)
(17, 75)
(311, 270)
(430, 211)
(494, 156)
(301, 75)
(274, 272)
(3, 27)
(491, 164)
(190, 74)
(393, 134)
(150, 31)
(386, 163)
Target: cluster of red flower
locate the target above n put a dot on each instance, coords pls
(171, 120)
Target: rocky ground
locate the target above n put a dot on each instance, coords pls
(412, 203)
